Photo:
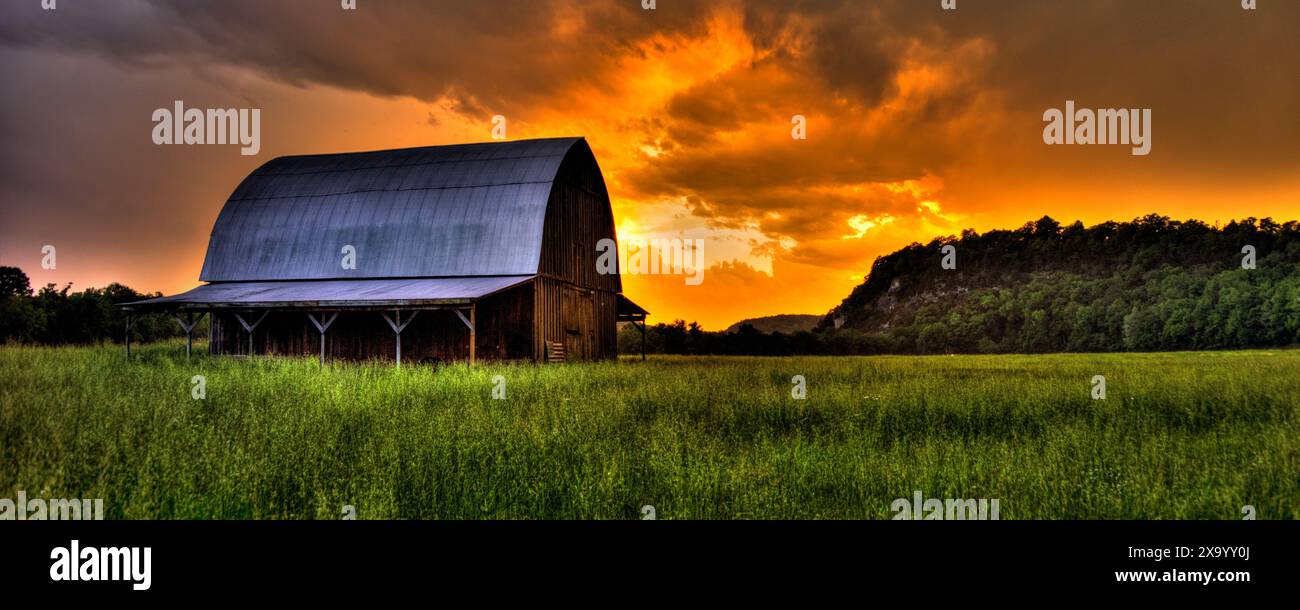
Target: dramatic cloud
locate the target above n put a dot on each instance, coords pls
(920, 121)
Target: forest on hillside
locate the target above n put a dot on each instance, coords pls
(1150, 284)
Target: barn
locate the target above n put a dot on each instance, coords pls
(433, 254)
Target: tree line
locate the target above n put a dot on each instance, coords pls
(1150, 284)
(59, 316)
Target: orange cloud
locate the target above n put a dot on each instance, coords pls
(919, 122)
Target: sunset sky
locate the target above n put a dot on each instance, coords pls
(920, 122)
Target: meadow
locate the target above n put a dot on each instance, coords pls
(1187, 435)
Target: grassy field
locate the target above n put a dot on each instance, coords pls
(1180, 435)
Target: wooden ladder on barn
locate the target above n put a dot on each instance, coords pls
(554, 351)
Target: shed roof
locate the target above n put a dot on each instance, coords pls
(625, 309)
(326, 294)
(461, 210)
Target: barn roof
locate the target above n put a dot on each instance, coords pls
(436, 225)
(436, 211)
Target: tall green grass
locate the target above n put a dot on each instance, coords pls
(1181, 435)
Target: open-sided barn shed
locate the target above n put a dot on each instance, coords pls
(444, 252)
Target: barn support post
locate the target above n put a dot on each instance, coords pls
(322, 327)
(473, 336)
(250, 328)
(126, 336)
(398, 327)
(642, 327)
(188, 325)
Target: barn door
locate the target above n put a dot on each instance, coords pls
(578, 322)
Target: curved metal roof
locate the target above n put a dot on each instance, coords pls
(461, 210)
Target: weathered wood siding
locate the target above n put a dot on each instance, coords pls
(575, 305)
(580, 318)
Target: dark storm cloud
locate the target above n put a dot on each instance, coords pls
(1208, 69)
(481, 53)
(894, 90)
(498, 54)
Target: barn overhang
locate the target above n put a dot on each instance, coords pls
(628, 311)
(327, 295)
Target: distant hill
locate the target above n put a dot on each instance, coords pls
(1150, 284)
(788, 323)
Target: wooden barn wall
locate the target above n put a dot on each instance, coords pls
(577, 217)
(505, 325)
(580, 318)
(504, 333)
(575, 304)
